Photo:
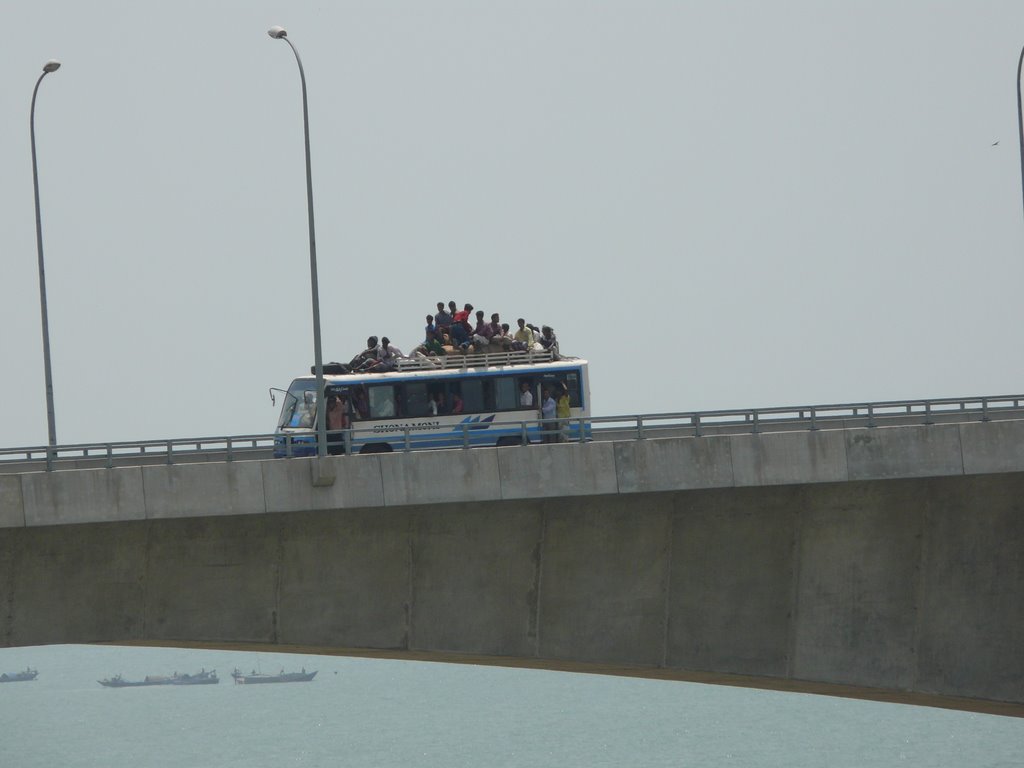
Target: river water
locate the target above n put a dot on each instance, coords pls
(365, 712)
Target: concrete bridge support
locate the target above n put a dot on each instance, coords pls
(770, 560)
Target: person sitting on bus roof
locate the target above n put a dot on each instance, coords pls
(387, 359)
(499, 333)
(505, 338)
(523, 338)
(483, 333)
(442, 318)
(432, 347)
(460, 328)
(549, 341)
(367, 357)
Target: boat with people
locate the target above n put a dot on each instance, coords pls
(282, 677)
(19, 677)
(199, 678)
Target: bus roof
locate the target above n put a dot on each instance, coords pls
(454, 366)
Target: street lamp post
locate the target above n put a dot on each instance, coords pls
(51, 66)
(1020, 122)
(279, 33)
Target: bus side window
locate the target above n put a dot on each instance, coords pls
(506, 394)
(360, 406)
(382, 401)
(417, 402)
(472, 396)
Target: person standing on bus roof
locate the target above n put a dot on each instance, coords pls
(443, 318)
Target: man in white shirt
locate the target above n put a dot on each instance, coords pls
(525, 395)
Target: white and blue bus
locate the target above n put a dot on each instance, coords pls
(438, 402)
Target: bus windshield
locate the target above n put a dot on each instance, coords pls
(299, 407)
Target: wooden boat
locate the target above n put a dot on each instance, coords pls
(282, 677)
(199, 678)
(19, 677)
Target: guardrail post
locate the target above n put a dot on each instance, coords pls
(231, 452)
(814, 420)
(639, 427)
(170, 451)
(405, 432)
(465, 435)
(347, 437)
(755, 429)
(288, 446)
(984, 409)
(110, 456)
(928, 413)
(871, 416)
(524, 435)
(695, 418)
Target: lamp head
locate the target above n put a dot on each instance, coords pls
(276, 32)
(51, 66)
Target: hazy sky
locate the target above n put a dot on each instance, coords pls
(719, 204)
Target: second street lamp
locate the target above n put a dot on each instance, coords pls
(51, 66)
(279, 33)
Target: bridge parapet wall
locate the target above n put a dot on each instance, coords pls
(482, 474)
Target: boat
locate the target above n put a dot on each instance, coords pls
(19, 677)
(199, 678)
(282, 677)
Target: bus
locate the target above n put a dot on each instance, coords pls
(438, 402)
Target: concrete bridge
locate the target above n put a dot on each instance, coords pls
(888, 557)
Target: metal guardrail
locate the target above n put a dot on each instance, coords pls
(602, 428)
